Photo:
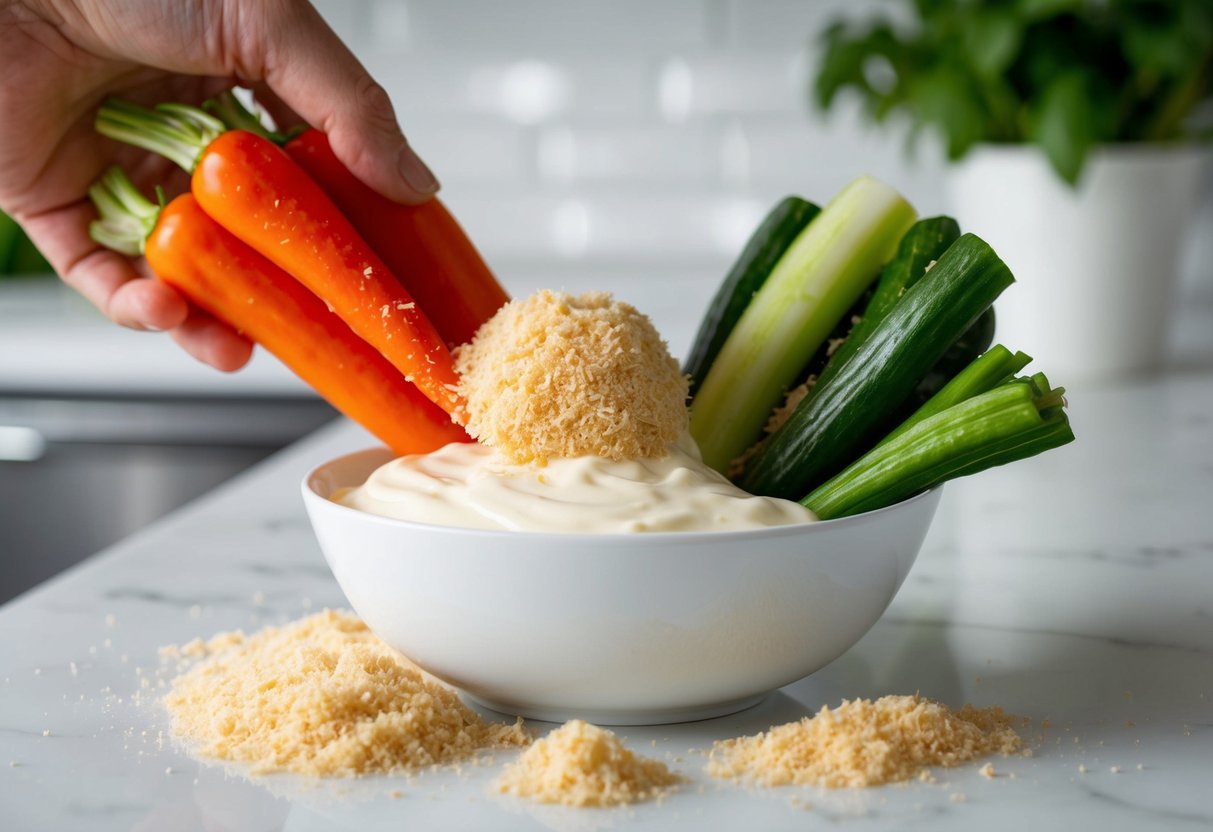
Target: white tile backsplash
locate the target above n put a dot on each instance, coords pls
(476, 153)
(630, 155)
(731, 83)
(653, 227)
(534, 27)
(640, 137)
(523, 90)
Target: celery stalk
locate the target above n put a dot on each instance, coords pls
(821, 275)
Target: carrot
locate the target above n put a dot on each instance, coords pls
(423, 245)
(191, 252)
(254, 190)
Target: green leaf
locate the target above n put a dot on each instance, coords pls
(27, 259)
(1043, 9)
(1155, 41)
(992, 40)
(945, 99)
(1063, 124)
(841, 65)
(10, 235)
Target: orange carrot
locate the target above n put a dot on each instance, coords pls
(254, 190)
(194, 254)
(423, 245)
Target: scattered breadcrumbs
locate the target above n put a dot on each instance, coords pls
(554, 375)
(579, 764)
(779, 416)
(322, 696)
(865, 743)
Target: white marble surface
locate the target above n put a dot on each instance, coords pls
(1074, 588)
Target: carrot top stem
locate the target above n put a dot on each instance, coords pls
(235, 116)
(176, 131)
(126, 216)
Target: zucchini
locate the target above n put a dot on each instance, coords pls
(841, 420)
(767, 244)
(819, 277)
(925, 242)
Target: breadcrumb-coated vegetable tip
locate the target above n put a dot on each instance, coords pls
(553, 376)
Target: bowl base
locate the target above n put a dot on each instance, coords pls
(622, 716)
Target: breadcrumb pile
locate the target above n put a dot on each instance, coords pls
(553, 376)
(866, 743)
(322, 696)
(580, 764)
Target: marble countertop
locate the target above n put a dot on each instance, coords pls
(1072, 588)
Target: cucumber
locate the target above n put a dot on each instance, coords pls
(841, 420)
(961, 354)
(926, 241)
(825, 270)
(762, 252)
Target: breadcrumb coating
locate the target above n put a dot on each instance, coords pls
(553, 376)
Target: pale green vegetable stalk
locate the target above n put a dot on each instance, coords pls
(821, 275)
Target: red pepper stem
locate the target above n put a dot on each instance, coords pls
(176, 131)
(127, 218)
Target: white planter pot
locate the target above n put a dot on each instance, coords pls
(1096, 266)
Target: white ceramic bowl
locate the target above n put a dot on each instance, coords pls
(614, 628)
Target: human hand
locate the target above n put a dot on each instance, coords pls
(60, 59)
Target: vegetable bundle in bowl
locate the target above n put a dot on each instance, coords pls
(843, 364)
(815, 381)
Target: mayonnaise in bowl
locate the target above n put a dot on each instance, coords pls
(473, 486)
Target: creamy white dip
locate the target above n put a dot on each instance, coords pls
(471, 486)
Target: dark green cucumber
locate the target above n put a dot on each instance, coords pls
(961, 354)
(925, 242)
(841, 420)
(762, 252)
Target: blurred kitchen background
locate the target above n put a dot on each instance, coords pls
(630, 145)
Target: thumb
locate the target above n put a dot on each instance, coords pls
(316, 75)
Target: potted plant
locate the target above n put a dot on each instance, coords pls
(1076, 130)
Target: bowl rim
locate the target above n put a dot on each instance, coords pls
(310, 495)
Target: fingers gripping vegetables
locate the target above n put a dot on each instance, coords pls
(817, 279)
(844, 418)
(254, 190)
(217, 272)
(423, 244)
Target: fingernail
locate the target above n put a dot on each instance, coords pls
(420, 178)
